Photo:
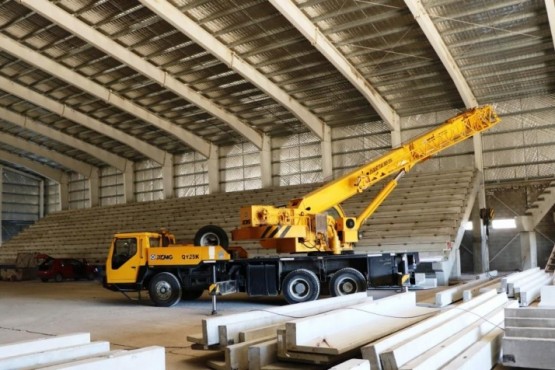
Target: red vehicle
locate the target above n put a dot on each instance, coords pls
(59, 269)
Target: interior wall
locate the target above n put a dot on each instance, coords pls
(20, 201)
(504, 244)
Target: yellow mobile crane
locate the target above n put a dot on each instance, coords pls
(316, 222)
(312, 223)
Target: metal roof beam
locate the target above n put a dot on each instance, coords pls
(107, 45)
(550, 7)
(431, 32)
(75, 165)
(321, 42)
(199, 35)
(64, 111)
(83, 83)
(41, 169)
(27, 123)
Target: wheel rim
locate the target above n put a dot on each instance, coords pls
(210, 239)
(163, 290)
(299, 289)
(346, 285)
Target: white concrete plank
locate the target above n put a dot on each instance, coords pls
(236, 355)
(443, 353)
(359, 325)
(531, 292)
(520, 322)
(509, 279)
(402, 353)
(483, 355)
(253, 319)
(534, 353)
(531, 312)
(352, 364)
(43, 344)
(468, 294)
(373, 350)
(455, 293)
(152, 358)
(548, 333)
(261, 332)
(547, 296)
(43, 358)
(262, 354)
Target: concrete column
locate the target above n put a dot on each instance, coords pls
(266, 162)
(64, 192)
(94, 188)
(129, 182)
(1, 202)
(528, 250)
(456, 269)
(396, 138)
(214, 170)
(480, 250)
(167, 176)
(327, 155)
(41, 199)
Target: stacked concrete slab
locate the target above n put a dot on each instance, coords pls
(424, 213)
(529, 338)
(76, 351)
(526, 285)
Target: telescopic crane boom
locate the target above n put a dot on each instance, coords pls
(316, 222)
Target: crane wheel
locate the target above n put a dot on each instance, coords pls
(347, 281)
(164, 289)
(300, 285)
(211, 235)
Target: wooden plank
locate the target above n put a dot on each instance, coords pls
(253, 319)
(399, 355)
(360, 325)
(290, 366)
(482, 355)
(372, 351)
(536, 353)
(262, 354)
(43, 344)
(152, 358)
(44, 358)
(447, 350)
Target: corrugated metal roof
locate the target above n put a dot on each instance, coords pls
(503, 48)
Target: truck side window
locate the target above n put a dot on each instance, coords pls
(124, 249)
(154, 242)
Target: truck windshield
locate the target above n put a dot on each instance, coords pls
(124, 249)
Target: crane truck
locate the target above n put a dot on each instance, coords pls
(314, 236)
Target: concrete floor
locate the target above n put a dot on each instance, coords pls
(32, 309)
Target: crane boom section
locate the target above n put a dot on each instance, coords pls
(403, 158)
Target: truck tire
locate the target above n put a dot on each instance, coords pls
(190, 295)
(164, 289)
(300, 285)
(347, 281)
(211, 235)
(58, 278)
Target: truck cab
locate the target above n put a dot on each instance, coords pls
(153, 261)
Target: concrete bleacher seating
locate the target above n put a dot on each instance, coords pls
(424, 213)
